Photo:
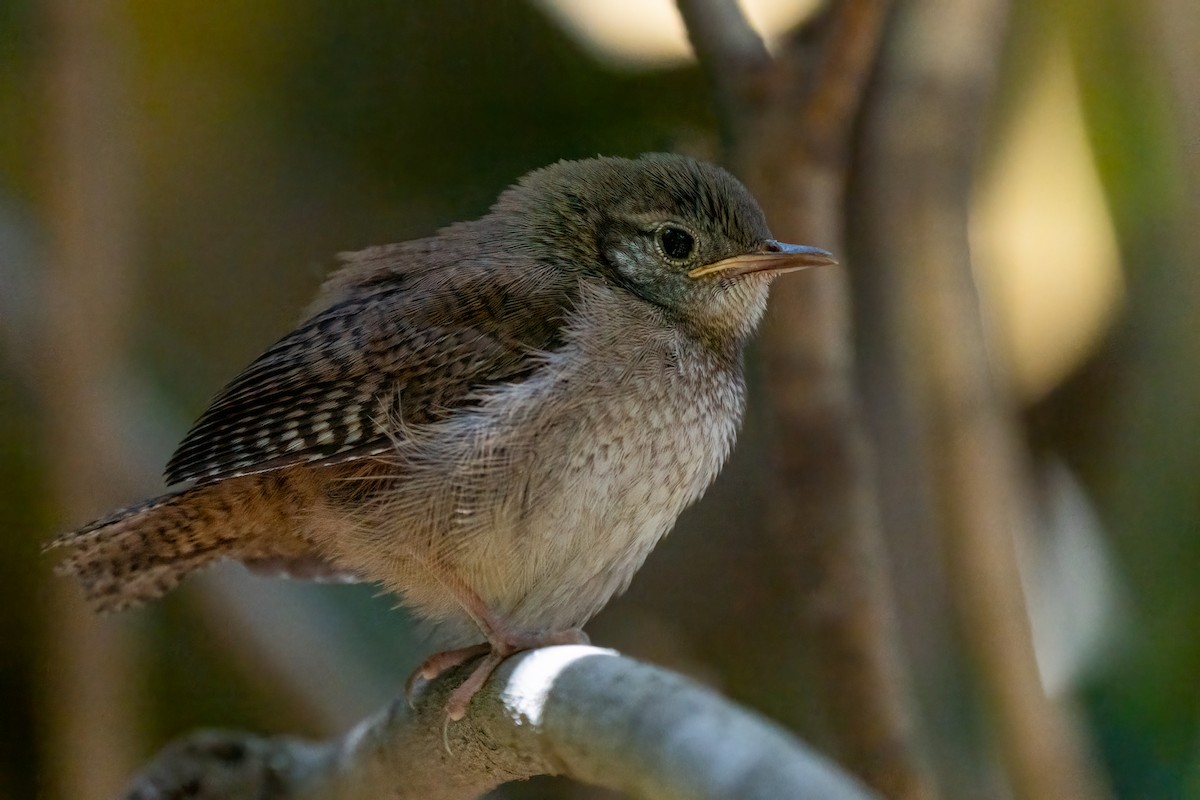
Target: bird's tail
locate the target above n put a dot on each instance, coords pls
(141, 553)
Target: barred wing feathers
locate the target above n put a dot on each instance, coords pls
(421, 345)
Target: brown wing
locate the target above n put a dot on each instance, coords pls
(417, 348)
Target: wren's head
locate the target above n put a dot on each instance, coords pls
(680, 234)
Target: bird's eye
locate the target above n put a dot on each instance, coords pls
(676, 243)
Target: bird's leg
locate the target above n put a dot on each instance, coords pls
(504, 643)
(503, 640)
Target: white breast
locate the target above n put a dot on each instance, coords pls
(609, 472)
(547, 496)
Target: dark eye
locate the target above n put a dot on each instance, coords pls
(676, 243)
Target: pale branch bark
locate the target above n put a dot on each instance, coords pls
(792, 148)
(578, 711)
(920, 145)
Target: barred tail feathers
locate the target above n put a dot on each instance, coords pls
(142, 552)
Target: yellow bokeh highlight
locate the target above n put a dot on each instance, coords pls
(1045, 247)
(650, 33)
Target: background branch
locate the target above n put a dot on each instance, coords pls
(733, 57)
(577, 711)
(823, 516)
(87, 668)
(920, 145)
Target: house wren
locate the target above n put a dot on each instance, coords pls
(497, 423)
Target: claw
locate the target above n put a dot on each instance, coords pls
(497, 651)
(456, 706)
(438, 663)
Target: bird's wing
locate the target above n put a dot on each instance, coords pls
(325, 392)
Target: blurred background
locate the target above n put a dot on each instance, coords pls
(176, 176)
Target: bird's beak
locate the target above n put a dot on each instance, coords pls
(772, 257)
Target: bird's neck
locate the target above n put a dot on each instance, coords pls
(612, 325)
(727, 319)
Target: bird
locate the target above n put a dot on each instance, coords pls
(496, 423)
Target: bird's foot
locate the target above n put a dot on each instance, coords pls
(499, 647)
(438, 663)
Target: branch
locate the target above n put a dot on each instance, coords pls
(823, 516)
(732, 55)
(578, 711)
(829, 62)
(88, 695)
(918, 157)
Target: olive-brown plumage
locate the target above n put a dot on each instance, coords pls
(497, 423)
